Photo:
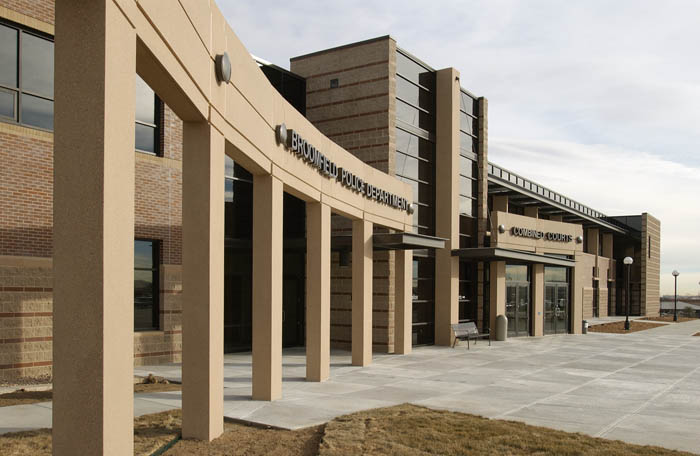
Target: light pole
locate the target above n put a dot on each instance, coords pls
(675, 294)
(628, 265)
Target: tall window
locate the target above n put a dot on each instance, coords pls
(147, 119)
(146, 288)
(26, 77)
(415, 165)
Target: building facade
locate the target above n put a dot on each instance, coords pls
(511, 246)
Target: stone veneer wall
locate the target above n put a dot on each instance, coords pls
(651, 265)
(26, 311)
(359, 115)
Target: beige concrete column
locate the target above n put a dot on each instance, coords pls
(447, 203)
(538, 309)
(532, 211)
(592, 240)
(608, 245)
(497, 293)
(202, 282)
(362, 254)
(577, 284)
(318, 291)
(267, 287)
(500, 203)
(403, 311)
(93, 256)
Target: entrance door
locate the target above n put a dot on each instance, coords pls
(556, 308)
(518, 309)
(518, 299)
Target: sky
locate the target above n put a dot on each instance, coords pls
(598, 100)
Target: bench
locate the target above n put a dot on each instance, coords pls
(467, 331)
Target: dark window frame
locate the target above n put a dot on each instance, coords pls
(18, 91)
(155, 270)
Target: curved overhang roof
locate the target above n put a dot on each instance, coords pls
(176, 52)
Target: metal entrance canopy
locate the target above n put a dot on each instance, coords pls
(500, 254)
(392, 241)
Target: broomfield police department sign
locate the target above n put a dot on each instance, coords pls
(310, 154)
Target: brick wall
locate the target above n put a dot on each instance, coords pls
(42, 10)
(650, 265)
(26, 224)
(359, 115)
(26, 191)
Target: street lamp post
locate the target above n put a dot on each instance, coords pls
(628, 265)
(675, 294)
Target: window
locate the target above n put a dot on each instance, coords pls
(26, 77)
(146, 287)
(147, 118)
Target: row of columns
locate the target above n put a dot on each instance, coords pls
(94, 178)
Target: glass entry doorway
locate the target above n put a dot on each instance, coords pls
(518, 300)
(556, 300)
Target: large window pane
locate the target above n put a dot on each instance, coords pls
(467, 142)
(143, 300)
(413, 94)
(145, 102)
(7, 104)
(468, 104)
(145, 138)
(8, 56)
(37, 112)
(414, 116)
(143, 254)
(415, 72)
(37, 65)
(146, 264)
(413, 145)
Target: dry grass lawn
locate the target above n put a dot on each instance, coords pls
(618, 327)
(669, 318)
(412, 430)
(151, 432)
(400, 430)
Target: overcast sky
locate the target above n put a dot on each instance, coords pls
(599, 100)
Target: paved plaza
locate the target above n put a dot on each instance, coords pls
(642, 387)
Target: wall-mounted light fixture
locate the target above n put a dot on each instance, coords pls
(579, 239)
(501, 228)
(411, 208)
(281, 134)
(223, 68)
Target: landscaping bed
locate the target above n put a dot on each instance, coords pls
(23, 396)
(669, 318)
(618, 327)
(404, 429)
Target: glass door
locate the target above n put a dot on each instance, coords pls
(550, 298)
(518, 300)
(562, 310)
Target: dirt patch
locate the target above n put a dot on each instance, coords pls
(23, 397)
(28, 381)
(669, 318)
(151, 432)
(242, 439)
(696, 334)
(412, 430)
(618, 327)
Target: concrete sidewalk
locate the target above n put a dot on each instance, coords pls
(618, 386)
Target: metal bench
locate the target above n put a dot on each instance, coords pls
(467, 331)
